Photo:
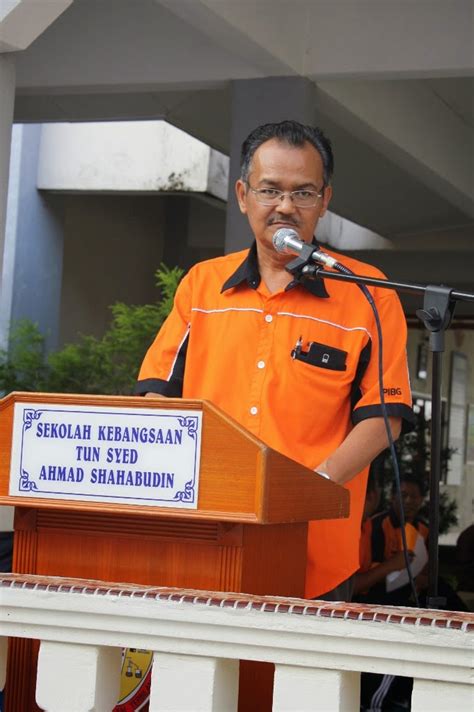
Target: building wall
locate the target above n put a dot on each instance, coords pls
(113, 245)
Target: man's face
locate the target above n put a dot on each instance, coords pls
(412, 500)
(276, 164)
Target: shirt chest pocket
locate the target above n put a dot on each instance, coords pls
(321, 356)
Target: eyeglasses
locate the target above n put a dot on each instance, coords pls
(299, 198)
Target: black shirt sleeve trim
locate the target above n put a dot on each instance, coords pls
(396, 410)
(170, 389)
(173, 388)
(364, 359)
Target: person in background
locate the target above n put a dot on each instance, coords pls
(465, 560)
(386, 539)
(372, 572)
(389, 693)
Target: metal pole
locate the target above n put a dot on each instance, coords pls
(433, 601)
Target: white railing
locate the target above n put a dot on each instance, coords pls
(319, 649)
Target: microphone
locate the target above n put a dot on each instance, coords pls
(287, 241)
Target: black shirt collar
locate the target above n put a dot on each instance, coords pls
(248, 272)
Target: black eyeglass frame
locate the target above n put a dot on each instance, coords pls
(281, 193)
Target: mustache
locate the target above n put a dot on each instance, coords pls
(286, 221)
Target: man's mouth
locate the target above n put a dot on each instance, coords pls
(283, 223)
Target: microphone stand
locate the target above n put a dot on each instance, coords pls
(438, 308)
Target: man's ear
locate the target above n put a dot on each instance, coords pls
(327, 195)
(241, 193)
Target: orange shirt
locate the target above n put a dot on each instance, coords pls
(386, 536)
(297, 368)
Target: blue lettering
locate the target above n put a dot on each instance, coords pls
(61, 473)
(57, 473)
(169, 479)
(122, 455)
(98, 475)
(87, 453)
(63, 431)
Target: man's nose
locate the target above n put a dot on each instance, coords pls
(285, 204)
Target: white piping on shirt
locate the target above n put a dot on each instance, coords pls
(329, 323)
(218, 311)
(177, 352)
(296, 316)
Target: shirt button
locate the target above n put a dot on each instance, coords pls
(254, 410)
(261, 364)
(268, 317)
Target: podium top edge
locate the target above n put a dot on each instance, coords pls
(93, 399)
(40, 397)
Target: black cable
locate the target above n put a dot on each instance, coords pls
(345, 270)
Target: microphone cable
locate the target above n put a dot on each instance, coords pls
(287, 239)
(345, 270)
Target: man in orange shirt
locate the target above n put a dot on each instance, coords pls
(293, 361)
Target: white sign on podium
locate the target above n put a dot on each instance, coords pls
(102, 454)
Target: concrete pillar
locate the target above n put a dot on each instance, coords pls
(441, 695)
(313, 690)
(7, 93)
(255, 102)
(77, 678)
(186, 682)
(33, 242)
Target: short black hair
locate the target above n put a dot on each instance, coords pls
(294, 134)
(412, 479)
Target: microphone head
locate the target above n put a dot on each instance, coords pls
(279, 241)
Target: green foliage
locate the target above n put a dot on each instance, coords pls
(108, 365)
(447, 512)
(23, 367)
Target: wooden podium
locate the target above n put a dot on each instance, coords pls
(248, 533)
